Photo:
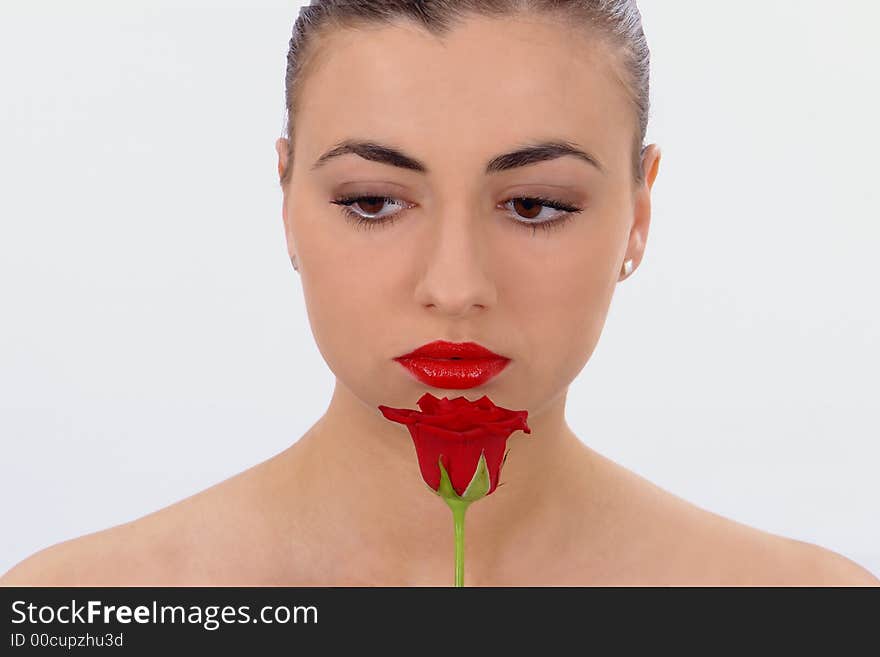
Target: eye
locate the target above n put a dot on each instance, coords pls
(372, 206)
(531, 218)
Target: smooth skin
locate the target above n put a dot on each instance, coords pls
(345, 505)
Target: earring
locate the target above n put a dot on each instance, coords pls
(627, 268)
(293, 261)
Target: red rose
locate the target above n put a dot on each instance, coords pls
(457, 432)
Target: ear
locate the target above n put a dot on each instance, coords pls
(281, 148)
(638, 234)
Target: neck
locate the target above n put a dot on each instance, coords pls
(357, 472)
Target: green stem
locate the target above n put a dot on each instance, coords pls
(458, 510)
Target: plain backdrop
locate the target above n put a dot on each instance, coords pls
(153, 334)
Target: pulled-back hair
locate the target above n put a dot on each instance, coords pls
(618, 23)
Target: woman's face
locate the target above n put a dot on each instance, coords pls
(459, 256)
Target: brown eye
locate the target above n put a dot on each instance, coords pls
(363, 210)
(527, 208)
(370, 204)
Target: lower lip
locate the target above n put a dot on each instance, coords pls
(456, 374)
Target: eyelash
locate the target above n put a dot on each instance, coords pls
(361, 222)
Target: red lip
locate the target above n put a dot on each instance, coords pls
(443, 349)
(456, 365)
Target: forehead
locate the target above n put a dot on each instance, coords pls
(488, 83)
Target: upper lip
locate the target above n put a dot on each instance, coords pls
(448, 350)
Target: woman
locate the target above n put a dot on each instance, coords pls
(467, 172)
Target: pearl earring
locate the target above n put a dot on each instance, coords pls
(627, 268)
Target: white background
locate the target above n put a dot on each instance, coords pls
(153, 335)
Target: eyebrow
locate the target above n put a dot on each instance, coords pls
(529, 154)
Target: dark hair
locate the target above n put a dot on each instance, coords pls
(617, 22)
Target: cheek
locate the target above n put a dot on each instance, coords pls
(348, 312)
(563, 300)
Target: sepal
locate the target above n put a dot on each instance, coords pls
(480, 484)
(477, 489)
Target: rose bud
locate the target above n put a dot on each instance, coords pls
(466, 440)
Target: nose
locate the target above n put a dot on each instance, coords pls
(456, 275)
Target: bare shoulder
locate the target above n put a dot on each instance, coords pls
(819, 566)
(174, 546)
(735, 554)
(680, 543)
(110, 557)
